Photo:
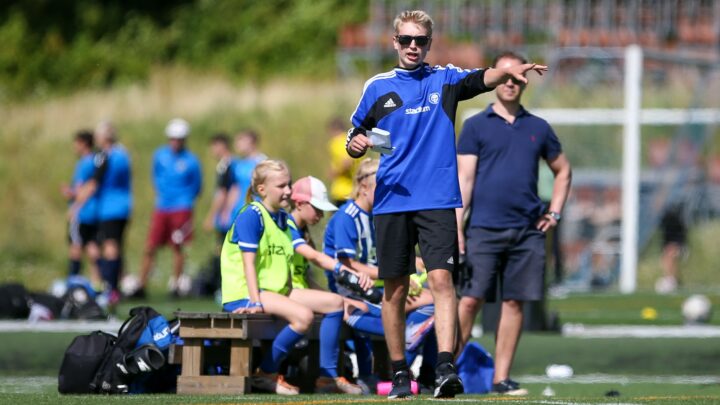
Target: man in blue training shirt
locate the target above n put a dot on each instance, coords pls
(83, 230)
(177, 179)
(498, 154)
(417, 187)
(111, 186)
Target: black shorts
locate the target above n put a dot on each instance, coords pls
(82, 234)
(509, 260)
(398, 233)
(112, 230)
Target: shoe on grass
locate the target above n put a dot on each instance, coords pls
(273, 382)
(337, 385)
(509, 387)
(447, 382)
(401, 386)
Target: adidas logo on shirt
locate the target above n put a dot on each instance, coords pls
(390, 103)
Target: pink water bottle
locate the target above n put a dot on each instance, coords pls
(384, 387)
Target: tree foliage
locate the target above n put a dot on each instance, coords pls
(60, 45)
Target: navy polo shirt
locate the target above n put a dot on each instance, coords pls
(505, 192)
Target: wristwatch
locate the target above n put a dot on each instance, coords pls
(555, 215)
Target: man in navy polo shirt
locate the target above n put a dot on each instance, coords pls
(177, 179)
(498, 154)
(417, 186)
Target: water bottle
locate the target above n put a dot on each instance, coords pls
(352, 283)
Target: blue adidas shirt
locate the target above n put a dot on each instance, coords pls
(505, 190)
(350, 233)
(418, 108)
(84, 170)
(249, 227)
(177, 178)
(113, 176)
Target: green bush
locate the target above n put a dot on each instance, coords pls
(51, 48)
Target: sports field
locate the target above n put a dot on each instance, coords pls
(606, 370)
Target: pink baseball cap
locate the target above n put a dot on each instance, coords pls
(312, 190)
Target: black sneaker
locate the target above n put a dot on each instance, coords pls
(401, 385)
(447, 382)
(509, 387)
(138, 294)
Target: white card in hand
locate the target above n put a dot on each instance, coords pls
(380, 139)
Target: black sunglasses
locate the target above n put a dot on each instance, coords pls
(420, 40)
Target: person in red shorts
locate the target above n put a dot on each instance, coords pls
(177, 179)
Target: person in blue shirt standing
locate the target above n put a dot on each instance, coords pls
(219, 216)
(246, 144)
(82, 231)
(177, 178)
(498, 154)
(417, 188)
(111, 186)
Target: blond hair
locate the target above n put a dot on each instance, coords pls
(415, 16)
(261, 173)
(367, 169)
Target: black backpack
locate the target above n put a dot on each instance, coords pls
(125, 360)
(82, 360)
(14, 301)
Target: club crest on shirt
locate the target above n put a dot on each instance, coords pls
(434, 98)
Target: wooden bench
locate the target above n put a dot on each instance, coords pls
(243, 331)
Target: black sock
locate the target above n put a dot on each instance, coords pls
(399, 365)
(444, 357)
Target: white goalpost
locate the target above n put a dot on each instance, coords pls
(631, 117)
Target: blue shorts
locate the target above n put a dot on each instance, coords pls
(511, 259)
(233, 305)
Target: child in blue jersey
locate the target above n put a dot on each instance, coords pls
(111, 185)
(256, 278)
(417, 183)
(82, 230)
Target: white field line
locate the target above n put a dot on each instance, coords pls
(622, 379)
(111, 326)
(630, 331)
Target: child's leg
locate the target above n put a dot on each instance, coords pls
(332, 306)
(369, 321)
(299, 318)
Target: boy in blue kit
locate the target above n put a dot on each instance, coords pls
(177, 179)
(111, 186)
(83, 230)
(350, 236)
(417, 185)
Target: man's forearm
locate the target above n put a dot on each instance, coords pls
(561, 189)
(494, 77)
